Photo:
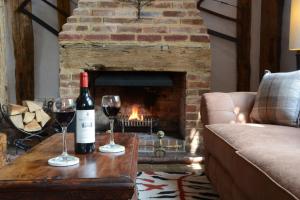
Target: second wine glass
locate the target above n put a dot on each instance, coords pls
(111, 105)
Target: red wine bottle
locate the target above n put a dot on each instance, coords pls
(85, 119)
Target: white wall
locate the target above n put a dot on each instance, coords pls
(224, 55)
(46, 58)
(224, 52)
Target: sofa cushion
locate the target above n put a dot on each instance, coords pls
(270, 149)
(278, 99)
(235, 107)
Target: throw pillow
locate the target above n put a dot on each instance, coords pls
(278, 99)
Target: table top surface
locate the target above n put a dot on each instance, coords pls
(95, 169)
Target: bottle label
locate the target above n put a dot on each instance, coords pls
(85, 126)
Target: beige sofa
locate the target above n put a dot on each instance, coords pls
(244, 160)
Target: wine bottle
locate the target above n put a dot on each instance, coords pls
(85, 119)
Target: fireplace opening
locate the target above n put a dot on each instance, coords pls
(151, 101)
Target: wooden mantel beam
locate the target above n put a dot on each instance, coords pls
(243, 45)
(270, 35)
(22, 34)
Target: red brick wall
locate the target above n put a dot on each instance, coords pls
(163, 21)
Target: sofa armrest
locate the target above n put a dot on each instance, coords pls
(3, 147)
(232, 107)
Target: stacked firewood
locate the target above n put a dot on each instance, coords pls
(29, 117)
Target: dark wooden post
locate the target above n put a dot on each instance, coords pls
(22, 35)
(63, 5)
(270, 35)
(243, 45)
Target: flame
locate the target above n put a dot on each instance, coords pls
(135, 114)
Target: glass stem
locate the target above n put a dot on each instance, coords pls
(111, 139)
(64, 134)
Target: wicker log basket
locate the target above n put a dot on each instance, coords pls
(21, 143)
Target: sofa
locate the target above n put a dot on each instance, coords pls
(245, 160)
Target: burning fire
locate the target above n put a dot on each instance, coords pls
(135, 114)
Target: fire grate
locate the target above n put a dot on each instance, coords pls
(148, 124)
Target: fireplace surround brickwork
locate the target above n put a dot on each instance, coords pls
(104, 35)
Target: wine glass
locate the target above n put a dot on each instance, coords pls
(63, 110)
(111, 106)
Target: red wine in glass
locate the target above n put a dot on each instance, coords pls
(64, 118)
(63, 110)
(111, 111)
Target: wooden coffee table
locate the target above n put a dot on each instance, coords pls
(98, 176)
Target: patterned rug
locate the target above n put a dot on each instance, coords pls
(175, 186)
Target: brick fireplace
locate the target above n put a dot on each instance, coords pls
(105, 36)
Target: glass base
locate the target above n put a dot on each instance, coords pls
(112, 148)
(63, 161)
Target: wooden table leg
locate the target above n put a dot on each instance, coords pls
(135, 195)
(3, 147)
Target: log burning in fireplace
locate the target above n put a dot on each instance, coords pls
(137, 121)
(135, 115)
